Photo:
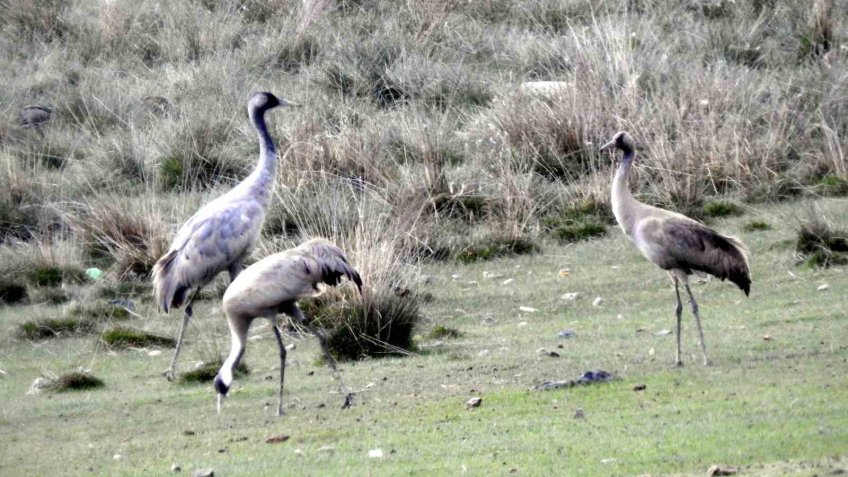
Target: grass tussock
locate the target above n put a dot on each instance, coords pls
(121, 337)
(77, 381)
(46, 328)
(820, 243)
(12, 293)
(206, 372)
(99, 311)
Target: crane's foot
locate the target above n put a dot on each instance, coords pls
(280, 412)
(706, 362)
(170, 375)
(348, 401)
(678, 364)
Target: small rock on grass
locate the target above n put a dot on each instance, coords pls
(722, 470)
(570, 296)
(375, 453)
(823, 287)
(579, 414)
(598, 301)
(277, 438)
(473, 402)
(527, 309)
(204, 473)
(176, 468)
(640, 387)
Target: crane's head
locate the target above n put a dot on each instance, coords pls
(622, 140)
(222, 388)
(264, 101)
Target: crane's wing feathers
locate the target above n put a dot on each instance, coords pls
(689, 245)
(205, 246)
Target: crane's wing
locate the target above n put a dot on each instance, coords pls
(205, 246)
(689, 245)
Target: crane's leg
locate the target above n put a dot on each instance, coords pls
(328, 357)
(235, 268)
(698, 323)
(187, 312)
(679, 313)
(275, 325)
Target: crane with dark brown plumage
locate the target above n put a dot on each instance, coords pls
(674, 242)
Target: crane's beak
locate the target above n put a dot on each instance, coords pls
(289, 104)
(220, 402)
(607, 146)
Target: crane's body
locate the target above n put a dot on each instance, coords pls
(273, 285)
(220, 235)
(674, 242)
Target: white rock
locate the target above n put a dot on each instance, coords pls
(117, 456)
(598, 301)
(823, 287)
(651, 352)
(483, 352)
(375, 453)
(507, 281)
(570, 296)
(523, 323)
(527, 309)
(662, 333)
(154, 352)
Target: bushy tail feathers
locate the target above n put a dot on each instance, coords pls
(167, 291)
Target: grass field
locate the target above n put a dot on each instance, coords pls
(775, 406)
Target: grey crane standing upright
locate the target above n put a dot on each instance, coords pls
(675, 242)
(272, 286)
(222, 233)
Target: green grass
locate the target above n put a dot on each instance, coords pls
(206, 372)
(45, 328)
(771, 407)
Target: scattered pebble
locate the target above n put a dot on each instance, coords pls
(553, 354)
(579, 414)
(662, 332)
(589, 377)
(176, 468)
(375, 453)
(507, 281)
(564, 272)
(640, 387)
(570, 296)
(473, 402)
(651, 352)
(117, 456)
(527, 309)
(483, 352)
(277, 438)
(721, 470)
(767, 337)
(523, 323)
(154, 352)
(823, 287)
(565, 334)
(204, 473)
(598, 301)
(620, 316)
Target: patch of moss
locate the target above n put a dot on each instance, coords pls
(207, 371)
(579, 231)
(832, 186)
(120, 337)
(756, 225)
(442, 331)
(721, 208)
(494, 247)
(46, 328)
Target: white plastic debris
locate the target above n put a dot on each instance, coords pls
(823, 287)
(570, 296)
(375, 454)
(527, 309)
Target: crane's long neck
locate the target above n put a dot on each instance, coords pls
(623, 204)
(262, 179)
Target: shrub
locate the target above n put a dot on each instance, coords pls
(491, 247)
(120, 337)
(45, 328)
